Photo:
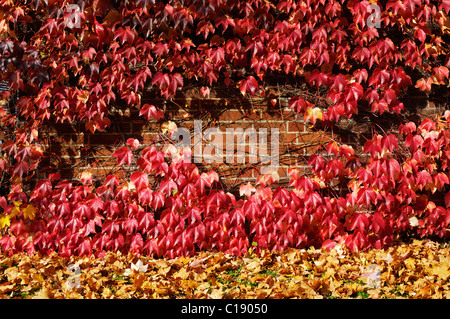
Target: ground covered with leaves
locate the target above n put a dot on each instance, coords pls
(420, 269)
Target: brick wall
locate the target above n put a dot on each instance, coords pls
(71, 149)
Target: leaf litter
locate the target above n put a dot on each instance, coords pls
(420, 269)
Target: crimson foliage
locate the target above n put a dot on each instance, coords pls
(78, 65)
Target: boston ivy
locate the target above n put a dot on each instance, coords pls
(77, 62)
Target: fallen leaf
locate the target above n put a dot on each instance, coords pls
(7, 288)
(138, 280)
(42, 294)
(216, 294)
(253, 266)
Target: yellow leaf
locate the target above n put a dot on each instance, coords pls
(168, 127)
(216, 294)
(83, 96)
(312, 114)
(16, 208)
(29, 212)
(42, 294)
(5, 221)
(86, 177)
(184, 260)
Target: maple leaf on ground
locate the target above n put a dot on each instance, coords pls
(136, 267)
(124, 155)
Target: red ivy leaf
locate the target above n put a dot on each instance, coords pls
(318, 78)
(139, 179)
(389, 142)
(20, 169)
(150, 111)
(249, 85)
(176, 80)
(366, 196)
(133, 143)
(316, 162)
(125, 35)
(85, 247)
(339, 83)
(359, 221)
(299, 104)
(445, 6)
(420, 34)
(447, 200)
(123, 155)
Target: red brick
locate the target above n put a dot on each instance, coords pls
(231, 115)
(149, 138)
(122, 127)
(104, 139)
(289, 138)
(314, 142)
(296, 126)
